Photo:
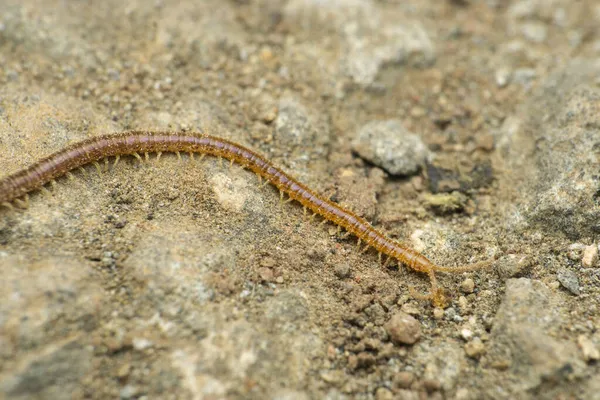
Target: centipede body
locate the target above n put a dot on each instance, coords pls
(94, 149)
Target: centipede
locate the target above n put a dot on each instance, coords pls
(15, 188)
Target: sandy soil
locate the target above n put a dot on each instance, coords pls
(466, 129)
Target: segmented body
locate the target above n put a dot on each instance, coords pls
(135, 142)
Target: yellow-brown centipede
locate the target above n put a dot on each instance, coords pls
(135, 142)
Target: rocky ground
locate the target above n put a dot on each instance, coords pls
(467, 129)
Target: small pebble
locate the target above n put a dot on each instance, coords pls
(390, 146)
(466, 334)
(590, 256)
(266, 274)
(431, 385)
(128, 392)
(589, 350)
(462, 394)
(438, 313)
(569, 280)
(342, 270)
(268, 262)
(123, 371)
(410, 309)
(475, 348)
(141, 344)
(513, 265)
(467, 286)
(403, 329)
(503, 76)
(404, 379)
(383, 394)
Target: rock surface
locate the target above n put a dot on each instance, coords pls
(466, 129)
(521, 340)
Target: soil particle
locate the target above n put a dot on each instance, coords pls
(403, 329)
(467, 286)
(590, 256)
(588, 349)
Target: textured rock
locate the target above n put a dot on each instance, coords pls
(390, 146)
(301, 129)
(45, 300)
(552, 149)
(521, 339)
(53, 373)
(368, 38)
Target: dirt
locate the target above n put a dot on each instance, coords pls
(188, 279)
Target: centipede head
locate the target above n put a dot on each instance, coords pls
(440, 297)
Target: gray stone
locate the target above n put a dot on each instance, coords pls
(521, 340)
(368, 38)
(444, 361)
(551, 148)
(45, 300)
(390, 146)
(54, 373)
(569, 280)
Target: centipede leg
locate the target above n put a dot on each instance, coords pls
(23, 204)
(158, 156)
(117, 158)
(178, 155)
(192, 155)
(139, 158)
(147, 156)
(8, 205)
(98, 168)
(45, 191)
(386, 262)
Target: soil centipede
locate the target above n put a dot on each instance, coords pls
(92, 150)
